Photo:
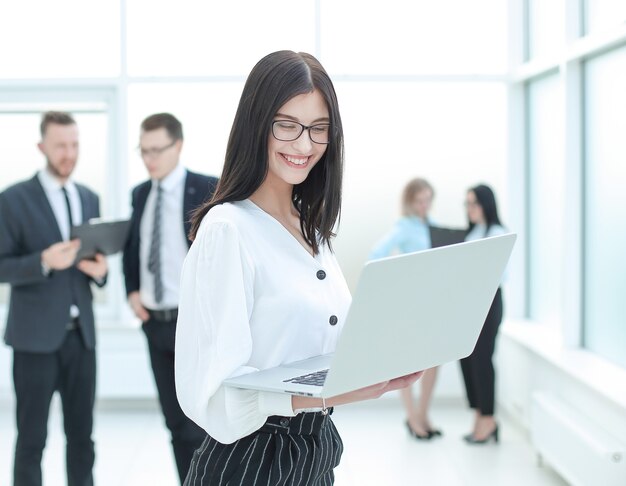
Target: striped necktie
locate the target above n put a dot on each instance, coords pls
(154, 258)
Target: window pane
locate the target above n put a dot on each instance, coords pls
(453, 134)
(206, 112)
(546, 28)
(604, 14)
(546, 199)
(64, 38)
(605, 232)
(193, 37)
(399, 37)
(20, 148)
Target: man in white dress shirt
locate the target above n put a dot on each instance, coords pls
(153, 258)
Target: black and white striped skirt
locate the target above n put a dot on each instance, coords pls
(299, 451)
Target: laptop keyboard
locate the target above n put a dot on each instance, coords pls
(316, 379)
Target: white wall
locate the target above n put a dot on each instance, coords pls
(453, 134)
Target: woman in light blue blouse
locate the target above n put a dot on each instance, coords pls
(478, 371)
(412, 233)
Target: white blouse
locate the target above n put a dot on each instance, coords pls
(479, 231)
(251, 297)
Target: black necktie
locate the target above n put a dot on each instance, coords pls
(71, 221)
(154, 258)
(69, 208)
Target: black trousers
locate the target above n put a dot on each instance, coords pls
(478, 372)
(186, 435)
(36, 376)
(296, 451)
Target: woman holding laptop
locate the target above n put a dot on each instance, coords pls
(261, 286)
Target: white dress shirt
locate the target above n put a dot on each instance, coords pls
(173, 240)
(252, 297)
(54, 192)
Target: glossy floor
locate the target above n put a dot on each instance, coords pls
(133, 449)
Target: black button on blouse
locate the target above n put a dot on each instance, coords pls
(333, 320)
(321, 274)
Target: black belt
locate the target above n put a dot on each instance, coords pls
(164, 315)
(308, 423)
(73, 324)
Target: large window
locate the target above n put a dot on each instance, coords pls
(546, 192)
(403, 38)
(199, 38)
(545, 28)
(602, 15)
(421, 87)
(60, 39)
(605, 201)
(567, 89)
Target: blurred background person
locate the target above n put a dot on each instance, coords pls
(412, 233)
(153, 258)
(478, 370)
(50, 323)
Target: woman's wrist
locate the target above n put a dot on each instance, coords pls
(308, 403)
(324, 406)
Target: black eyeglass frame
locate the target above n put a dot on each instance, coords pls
(302, 129)
(154, 152)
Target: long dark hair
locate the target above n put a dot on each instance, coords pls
(274, 80)
(486, 199)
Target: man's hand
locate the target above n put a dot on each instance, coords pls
(134, 301)
(60, 255)
(96, 269)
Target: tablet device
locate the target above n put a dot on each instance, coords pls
(100, 236)
(441, 236)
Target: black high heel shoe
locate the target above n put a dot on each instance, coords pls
(435, 432)
(417, 436)
(470, 439)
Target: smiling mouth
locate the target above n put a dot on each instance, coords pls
(294, 161)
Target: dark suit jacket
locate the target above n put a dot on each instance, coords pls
(39, 309)
(198, 189)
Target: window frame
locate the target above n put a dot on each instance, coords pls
(568, 62)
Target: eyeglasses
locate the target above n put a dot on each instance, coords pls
(288, 131)
(153, 152)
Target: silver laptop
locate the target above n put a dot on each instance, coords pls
(409, 313)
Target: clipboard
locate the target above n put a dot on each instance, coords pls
(100, 236)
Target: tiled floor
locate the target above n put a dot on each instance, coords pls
(133, 449)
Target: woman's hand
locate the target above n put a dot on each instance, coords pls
(367, 393)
